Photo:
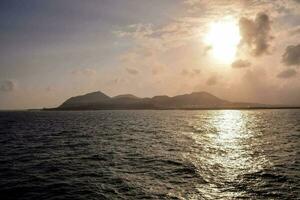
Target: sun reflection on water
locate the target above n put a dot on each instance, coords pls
(230, 133)
(227, 152)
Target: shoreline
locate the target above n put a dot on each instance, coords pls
(162, 109)
(229, 108)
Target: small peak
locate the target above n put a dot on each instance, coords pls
(131, 96)
(97, 93)
(198, 92)
(201, 93)
(161, 96)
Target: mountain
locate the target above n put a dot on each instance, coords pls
(87, 99)
(195, 100)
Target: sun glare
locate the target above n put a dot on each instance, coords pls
(223, 38)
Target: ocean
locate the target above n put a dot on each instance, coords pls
(86, 155)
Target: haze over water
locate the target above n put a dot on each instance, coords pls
(224, 154)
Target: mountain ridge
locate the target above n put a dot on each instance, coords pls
(195, 100)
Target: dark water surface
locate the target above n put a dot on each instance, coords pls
(150, 155)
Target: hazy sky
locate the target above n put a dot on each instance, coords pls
(52, 50)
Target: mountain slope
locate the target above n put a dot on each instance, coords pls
(129, 96)
(125, 99)
(84, 100)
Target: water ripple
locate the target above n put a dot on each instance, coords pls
(150, 155)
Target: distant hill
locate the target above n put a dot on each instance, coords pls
(195, 100)
(87, 99)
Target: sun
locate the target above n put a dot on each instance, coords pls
(223, 38)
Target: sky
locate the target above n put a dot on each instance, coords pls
(239, 50)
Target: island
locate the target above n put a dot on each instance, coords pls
(193, 101)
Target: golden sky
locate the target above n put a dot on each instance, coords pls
(240, 50)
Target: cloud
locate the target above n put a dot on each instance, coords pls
(289, 73)
(191, 2)
(129, 57)
(190, 72)
(158, 69)
(8, 86)
(196, 71)
(292, 55)
(85, 72)
(213, 80)
(116, 81)
(219, 8)
(206, 50)
(256, 33)
(152, 39)
(132, 71)
(294, 31)
(49, 88)
(240, 64)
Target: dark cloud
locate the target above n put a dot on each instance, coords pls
(289, 73)
(132, 71)
(291, 55)
(213, 80)
(256, 33)
(240, 64)
(8, 86)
